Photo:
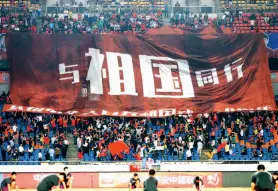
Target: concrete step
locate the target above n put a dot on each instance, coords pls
(72, 149)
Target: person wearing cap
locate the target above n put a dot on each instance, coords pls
(262, 180)
(134, 182)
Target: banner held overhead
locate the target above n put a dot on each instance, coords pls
(153, 75)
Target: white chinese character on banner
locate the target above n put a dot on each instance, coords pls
(179, 86)
(117, 63)
(126, 68)
(189, 179)
(230, 67)
(94, 73)
(173, 179)
(207, 77)
(75, 73)
(164, 180)
(182, 180)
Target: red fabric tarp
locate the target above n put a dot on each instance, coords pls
(151, 75)
(116, 148)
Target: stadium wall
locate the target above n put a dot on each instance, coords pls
(109, 175)
(120, 180)
(236, 179)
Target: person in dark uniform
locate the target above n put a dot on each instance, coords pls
(50, 181)
(134, 182)
(275, 180)
(262, 180)
(67, 183)
(9, 183)
(151, 183)
(198, 183)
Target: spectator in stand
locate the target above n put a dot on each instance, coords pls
(226, 135)
(51, 153)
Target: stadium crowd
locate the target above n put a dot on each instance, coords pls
(237, 21)
(223, 136)
(135, 20)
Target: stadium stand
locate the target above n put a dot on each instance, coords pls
(223, 136)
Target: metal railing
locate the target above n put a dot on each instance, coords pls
(134, 162)
(99, 9)
(172, 9)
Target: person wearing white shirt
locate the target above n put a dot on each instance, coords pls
(188, 154)
(51, 152)
(11, 143)
(191, 143)
(53, 139)
(231, 151)
(201, 138)
(9, 147)
(199, 148)
(85, 144)
(98, 124)
(155, 142)
(21, 150)
(14, 128)
(241, 133)
(40, 156)
(30, 151)
(262, 132)
(79, 142)
(212, 143)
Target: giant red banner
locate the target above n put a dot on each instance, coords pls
(151, 75)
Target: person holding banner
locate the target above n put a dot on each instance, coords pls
(134, 182)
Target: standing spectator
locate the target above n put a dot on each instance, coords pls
(21, 150)
(57, 152)
(47, 156)
(188, 154)
(199, 147)
(30, 150)
(40, 155)
(80, 154)
(166, 11)
(51, 153)
(177, 7)
(15, 128)
(46, 142)
(144, 156)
